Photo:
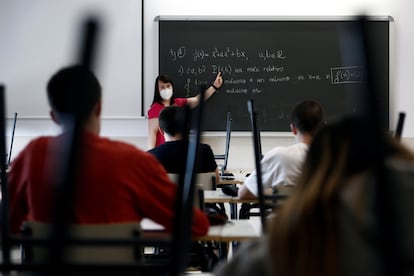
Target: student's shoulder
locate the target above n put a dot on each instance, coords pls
(134, 155)
(283, 153)
(205, 147)
(35, 148)
(122, 148)
(39, 142)
(157, 150)
(167, 147)
(283, 150)
(276, 151)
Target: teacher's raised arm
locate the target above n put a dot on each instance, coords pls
(216, 85)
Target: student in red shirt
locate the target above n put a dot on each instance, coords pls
(117, 182)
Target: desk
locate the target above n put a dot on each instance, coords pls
(234, 230)
(217, 196)
(229, 182)
(236, 178)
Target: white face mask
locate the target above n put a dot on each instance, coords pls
(166, 93)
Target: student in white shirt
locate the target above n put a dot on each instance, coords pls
(282, 165)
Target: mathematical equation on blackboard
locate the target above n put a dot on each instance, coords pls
(266, 66)
(226, 52)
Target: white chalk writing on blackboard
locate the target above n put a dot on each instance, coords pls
(349, 74)
(179, 53)
(258, 74)
(268, 54)
(279, 72)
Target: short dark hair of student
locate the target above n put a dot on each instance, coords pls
(163, 79)
(172, 120)
(308, 116)
(71, 88)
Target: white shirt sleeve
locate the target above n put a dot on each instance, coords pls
(280, 166)
(271, 172)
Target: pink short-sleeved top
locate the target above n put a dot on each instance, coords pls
(155, 111)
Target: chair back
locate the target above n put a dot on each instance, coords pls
(203, 182)
(225, 156)
(206, 181)
(400, 125)
(12, 139)
(257, 157)
(86, 253)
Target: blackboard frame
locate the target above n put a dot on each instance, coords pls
(283, 127)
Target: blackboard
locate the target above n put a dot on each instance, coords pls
(278, 63)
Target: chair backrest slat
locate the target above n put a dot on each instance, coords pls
(400, 125)
(85, 253)
(257, 157)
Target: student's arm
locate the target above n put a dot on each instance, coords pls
(218, 82)
(217, 175)
(152, 132)
(244, 193)
(18, 208)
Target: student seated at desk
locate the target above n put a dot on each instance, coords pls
(282, 165)
(116, 182)
(173, 153)
(328, 225)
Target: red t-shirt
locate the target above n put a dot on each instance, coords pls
(118, 183)
(155, 111)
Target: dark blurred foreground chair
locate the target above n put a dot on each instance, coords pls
(266, 203)
(225, 156)
(204, 253)
(400, 125)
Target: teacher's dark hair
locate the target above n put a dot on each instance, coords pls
(157, 96)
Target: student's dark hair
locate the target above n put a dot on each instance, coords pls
(65, 86)
(172, 120)
(308, 116)
(163, 79)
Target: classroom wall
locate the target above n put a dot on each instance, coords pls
(122, 54)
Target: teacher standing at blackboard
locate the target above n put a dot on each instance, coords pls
(164, 96)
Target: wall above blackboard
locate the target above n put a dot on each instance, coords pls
(278, 62)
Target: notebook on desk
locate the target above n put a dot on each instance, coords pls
(227, 176)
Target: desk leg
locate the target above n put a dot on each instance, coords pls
(233, 215)
(244, 211)
(223, 250)
(233, 210)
